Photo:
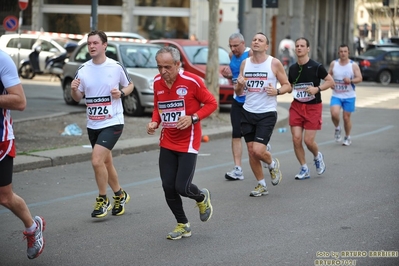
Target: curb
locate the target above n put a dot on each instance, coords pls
(70, 155)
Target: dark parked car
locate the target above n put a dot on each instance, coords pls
(139, 61)
(381, 45)
(194, 57)
(380, 64)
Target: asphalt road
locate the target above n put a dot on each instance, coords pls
(347, 213)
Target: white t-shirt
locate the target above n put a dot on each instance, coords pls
(96, 82)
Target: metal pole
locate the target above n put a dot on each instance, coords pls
(241, 7)
(93, 18)
(19, 36)
(264, 16)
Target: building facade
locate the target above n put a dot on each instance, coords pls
(326, 23)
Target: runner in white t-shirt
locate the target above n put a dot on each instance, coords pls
(98, 80)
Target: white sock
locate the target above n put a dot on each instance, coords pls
(32, 228)
(304, 166)
(262, 182)
(239, 168)
(338, 128)
(272, 165)
(318, 156)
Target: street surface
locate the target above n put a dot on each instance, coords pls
(348, 215)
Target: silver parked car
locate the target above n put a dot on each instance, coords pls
(139, 61)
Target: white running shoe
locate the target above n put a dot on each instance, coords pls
(320, 165)
(235, 174)
(337, 135)
(303, 174)
(347, 141)
(259, 191)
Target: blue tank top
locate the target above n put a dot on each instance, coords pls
(235, 64)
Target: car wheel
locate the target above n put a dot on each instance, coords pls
(385, 77)
(131, 104)
(26, 71)
(67, 91)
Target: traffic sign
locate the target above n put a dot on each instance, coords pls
(10, 23)
(23, 4)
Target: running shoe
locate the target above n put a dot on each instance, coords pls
(347, 141)
(35, 239)
(235, 174)
(119, 203)
(337, 135)
(303, 174)
(101, 208)
(181, 230)
(320, 165)
(205, 207)
(275, 173)
(259, 191)
(268, 148)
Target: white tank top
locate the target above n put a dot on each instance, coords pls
(257, 78)
(341, 89)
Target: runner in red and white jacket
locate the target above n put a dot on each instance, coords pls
(181, 100)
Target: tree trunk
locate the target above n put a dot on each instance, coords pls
(212, 68)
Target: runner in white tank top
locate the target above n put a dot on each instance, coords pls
(258, 77)
(345, 73)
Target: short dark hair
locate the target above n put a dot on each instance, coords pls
(267, 39)
(303, 38)
(100, 34)
(344, 45)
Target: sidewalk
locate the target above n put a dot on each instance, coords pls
(70, 155)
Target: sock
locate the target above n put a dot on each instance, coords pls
(318, 156)
(118, 193)
(338, 128)
(238, 168)
(304, 166)
(103, 196)
(262, 182)
(271, 166)
(32, 228)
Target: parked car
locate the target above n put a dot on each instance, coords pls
(118, 36)
(194, 57)
(49, 46)
(139, 61)
(380, 64)
(380, 45)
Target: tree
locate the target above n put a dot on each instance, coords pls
(212, 68)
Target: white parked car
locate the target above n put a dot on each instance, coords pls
(49, 46)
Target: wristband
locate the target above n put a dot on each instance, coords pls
(319, 88)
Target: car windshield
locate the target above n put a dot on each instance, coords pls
(373, 52)
(199, 55)
(142, 56)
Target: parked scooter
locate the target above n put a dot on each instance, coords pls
(54, 65)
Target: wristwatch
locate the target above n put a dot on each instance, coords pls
(194, 119)
(122, 94)
(278, 91)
